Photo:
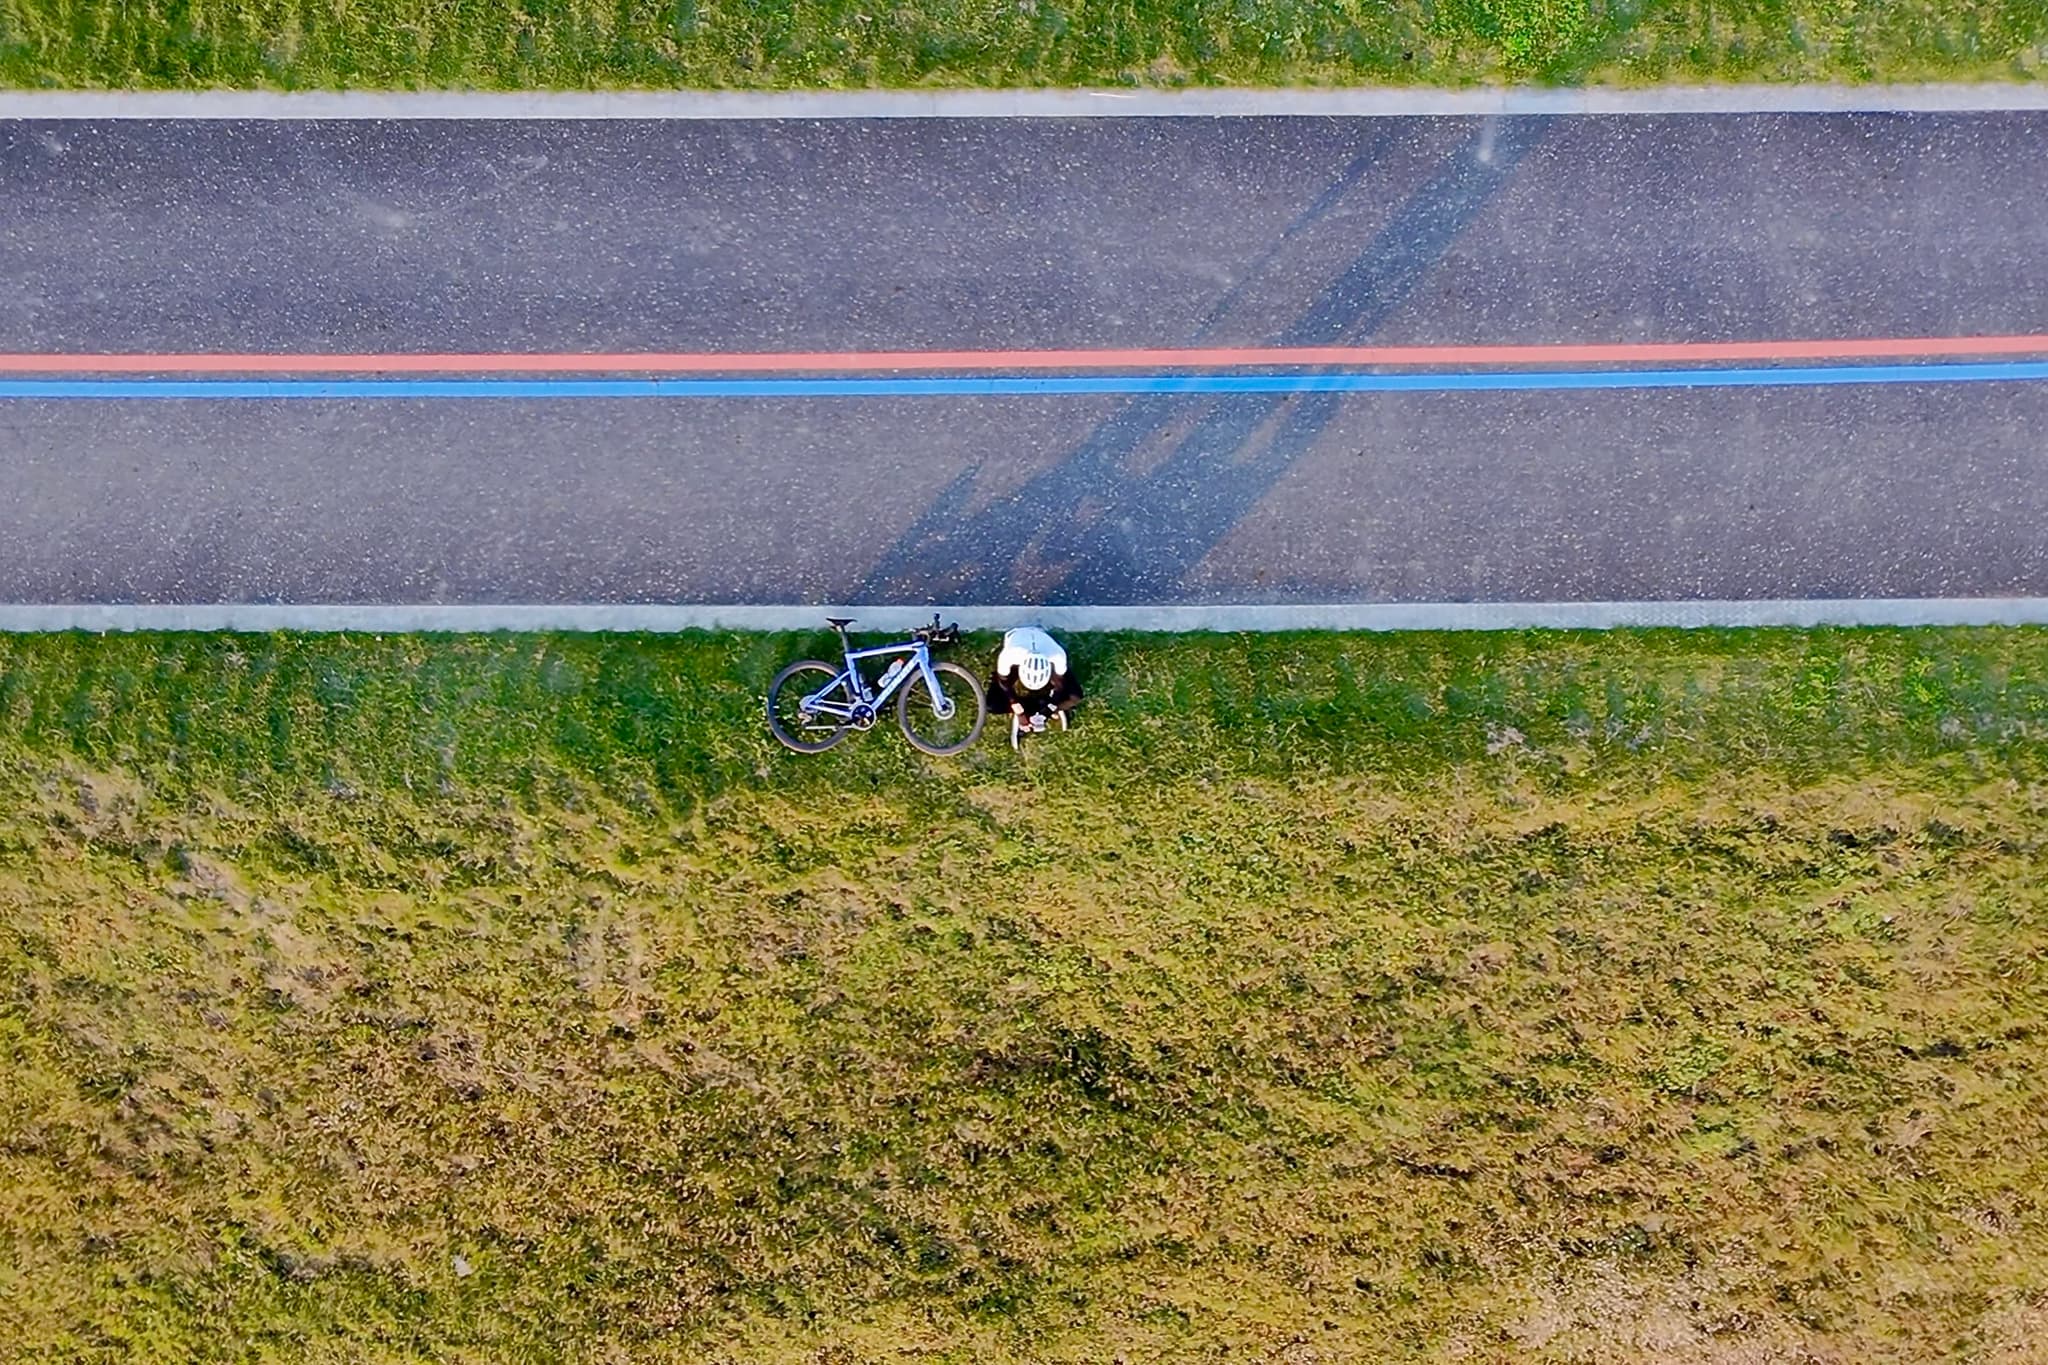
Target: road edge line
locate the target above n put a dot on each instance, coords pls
(1214, 102)
(475, 618)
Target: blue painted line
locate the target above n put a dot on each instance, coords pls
(1026, 385)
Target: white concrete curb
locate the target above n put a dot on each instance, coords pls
(382, 620)
(1352, 102)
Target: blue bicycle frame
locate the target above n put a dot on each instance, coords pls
(867, 703)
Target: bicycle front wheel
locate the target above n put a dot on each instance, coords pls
(947, 729)
(807, 732)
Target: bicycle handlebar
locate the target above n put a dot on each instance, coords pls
(936, 634)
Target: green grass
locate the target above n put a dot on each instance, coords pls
(1632, 997)
(832, 43)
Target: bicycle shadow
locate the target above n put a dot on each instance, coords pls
(1148, 529)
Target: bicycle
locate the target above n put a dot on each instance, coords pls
(825, 702)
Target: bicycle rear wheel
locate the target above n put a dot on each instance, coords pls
(804, 731)
(918, 712)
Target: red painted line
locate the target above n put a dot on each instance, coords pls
(1204, 357)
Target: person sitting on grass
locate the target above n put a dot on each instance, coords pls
(1032, 681)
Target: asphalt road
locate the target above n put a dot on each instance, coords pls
(762, 236)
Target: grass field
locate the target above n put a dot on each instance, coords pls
(1639, 997)
(832, 43)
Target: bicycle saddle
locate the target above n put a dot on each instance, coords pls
(839, 622)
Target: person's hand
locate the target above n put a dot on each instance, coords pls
(1016, 708)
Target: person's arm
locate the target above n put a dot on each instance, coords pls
(1000, 698)
(1066, 691)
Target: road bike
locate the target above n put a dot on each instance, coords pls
(812, 704)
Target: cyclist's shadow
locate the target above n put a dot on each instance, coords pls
(1149, 529)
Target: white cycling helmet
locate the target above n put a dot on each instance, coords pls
(1034, 655)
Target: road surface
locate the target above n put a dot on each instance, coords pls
(263, 240)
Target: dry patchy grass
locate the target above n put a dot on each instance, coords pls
(1616, 998)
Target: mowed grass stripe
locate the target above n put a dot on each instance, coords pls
(815, 44)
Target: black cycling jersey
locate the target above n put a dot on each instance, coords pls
(1063, 693)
